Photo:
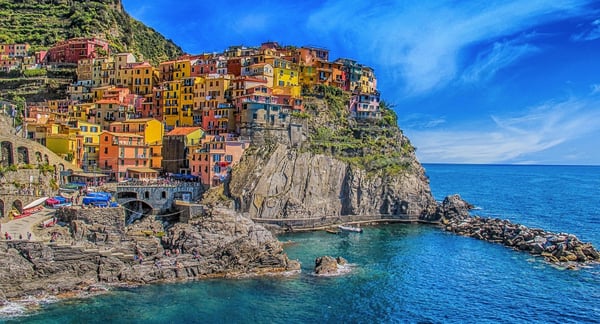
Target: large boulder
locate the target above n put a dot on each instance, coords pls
(327, 265)
(452, 208)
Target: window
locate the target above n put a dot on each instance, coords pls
(163, 195)
(106, 150)
(106, 138)
(146, 195)
(228, 158)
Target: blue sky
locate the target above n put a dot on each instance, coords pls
(471, 82)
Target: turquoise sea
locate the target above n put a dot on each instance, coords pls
(400, 273)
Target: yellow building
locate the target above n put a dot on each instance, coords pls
(368, 83)
(91, 143)
(187, 101)
(175, 70)
(84, 112)
(212, 92)
(285, 77)
(170, 99)
(307, 76)
(67, 143)
(143, 78)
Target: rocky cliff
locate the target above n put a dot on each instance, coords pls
(287, 183)
(338, 169)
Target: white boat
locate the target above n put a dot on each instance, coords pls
(35, 203)
(350, 228)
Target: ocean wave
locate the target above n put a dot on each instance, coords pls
(24, 306)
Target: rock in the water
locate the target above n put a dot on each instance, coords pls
(452, 208)
(327, 265)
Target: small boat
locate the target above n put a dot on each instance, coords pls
(332, 231)
(35, 203)
(350, 228)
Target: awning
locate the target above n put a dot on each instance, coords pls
(89, 175)
(141, 170)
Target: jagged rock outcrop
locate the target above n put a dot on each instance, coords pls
(220, 244)
(289, 184)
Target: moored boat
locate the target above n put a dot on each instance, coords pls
(350, 228)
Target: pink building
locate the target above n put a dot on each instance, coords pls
(72, 50)
(212, 160)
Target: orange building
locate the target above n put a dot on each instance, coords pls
(153, 132)
(121, 151)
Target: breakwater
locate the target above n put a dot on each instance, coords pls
(557, 248)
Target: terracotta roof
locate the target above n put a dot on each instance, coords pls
(182, 131)
(105, 101)
(137, 120)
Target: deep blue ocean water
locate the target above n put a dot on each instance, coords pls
(400, 273)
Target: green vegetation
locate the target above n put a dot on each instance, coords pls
(42, 23)
(45, 168)
(53, 184)
(372, 145)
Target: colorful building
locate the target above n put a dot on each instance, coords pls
(14, 50)
(75, 49)
(153, 132)
(365, 106)
(212, 159)
(121, 151)
(176, 146)
(90, 143)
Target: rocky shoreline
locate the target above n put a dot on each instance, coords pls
(557, 248)
(94, 250)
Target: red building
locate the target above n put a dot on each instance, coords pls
(72, 50)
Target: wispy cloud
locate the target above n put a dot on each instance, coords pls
(511, 139)
(592, 32)
(499, 56)
(422, 42)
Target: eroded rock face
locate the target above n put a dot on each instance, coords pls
(221, 244)
(288, 184)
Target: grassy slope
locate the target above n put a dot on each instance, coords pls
(42, 23)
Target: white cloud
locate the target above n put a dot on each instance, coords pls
(595, 88)
(510, 139)
(421, 42)
(592, 33)
(501, 55)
